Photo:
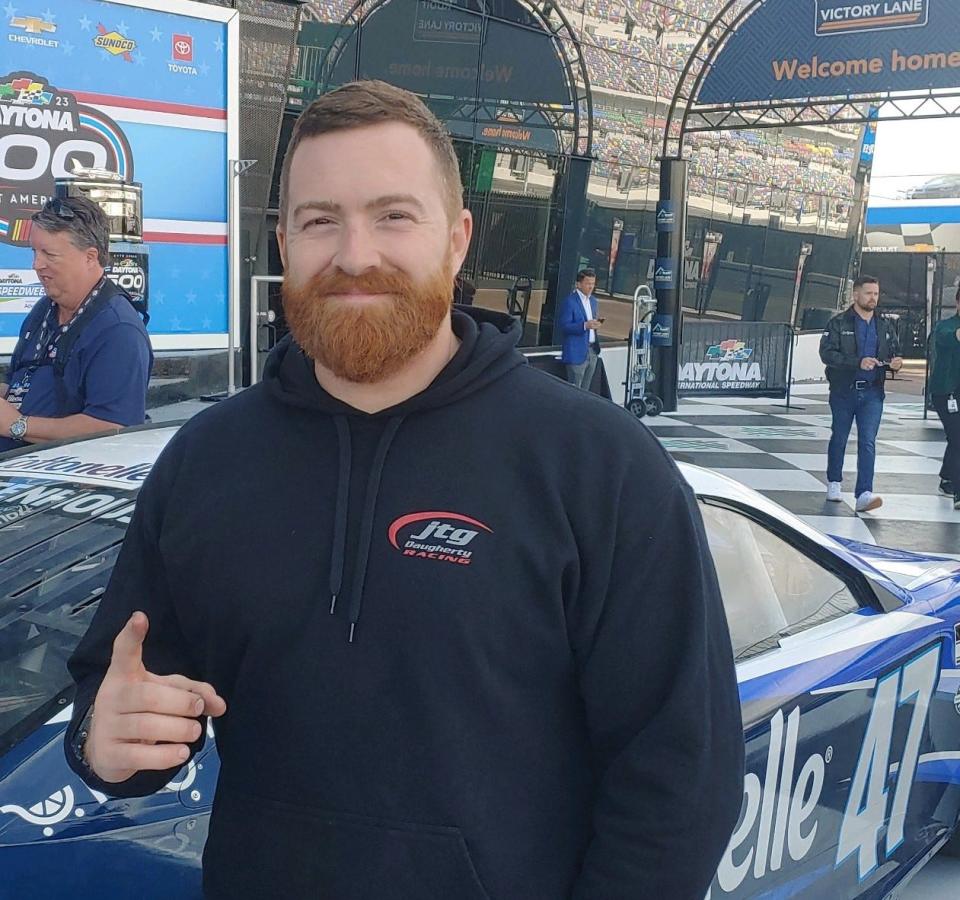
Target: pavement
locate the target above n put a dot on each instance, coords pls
(781, 451)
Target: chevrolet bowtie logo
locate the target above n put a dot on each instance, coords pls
(33, 25)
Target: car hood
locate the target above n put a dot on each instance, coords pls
(911, 571)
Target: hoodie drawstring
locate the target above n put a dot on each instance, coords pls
(366, 522)
(340, 516)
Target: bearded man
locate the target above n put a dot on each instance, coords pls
(452, 647)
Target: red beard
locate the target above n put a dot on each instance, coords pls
(367, 342)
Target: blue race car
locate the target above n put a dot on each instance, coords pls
(847, 656)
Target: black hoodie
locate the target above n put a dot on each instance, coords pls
(472, 646)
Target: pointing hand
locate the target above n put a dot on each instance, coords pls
(143, 721)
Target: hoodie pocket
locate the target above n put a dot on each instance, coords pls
(268, 848)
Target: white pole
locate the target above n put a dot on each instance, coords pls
(236, 168)
(234, 289)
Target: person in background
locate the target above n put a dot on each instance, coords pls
(856, 347)
(579, 321)
(82, 363)
(464, 291)
(945, 394)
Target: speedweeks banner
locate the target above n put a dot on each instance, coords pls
(825, 48)
(135, 90)
(747, 358)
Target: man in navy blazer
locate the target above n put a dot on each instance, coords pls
(579, 322)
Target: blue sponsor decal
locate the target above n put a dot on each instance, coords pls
(664, 275)
(666, 216)
(661, 332)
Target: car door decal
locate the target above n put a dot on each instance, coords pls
(866, 812)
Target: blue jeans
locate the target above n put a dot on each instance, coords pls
(866, 407)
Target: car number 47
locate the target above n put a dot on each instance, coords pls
(866, 811)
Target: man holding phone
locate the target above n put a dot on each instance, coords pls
(579, 321)
(857, 347)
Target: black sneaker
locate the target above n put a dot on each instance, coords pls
(946, 487)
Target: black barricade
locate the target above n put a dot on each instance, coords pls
(744, 358)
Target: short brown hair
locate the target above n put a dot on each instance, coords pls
(363, 103)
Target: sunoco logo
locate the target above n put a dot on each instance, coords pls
(115, 43)
(844, 17)
(441, 536)
(42, 138)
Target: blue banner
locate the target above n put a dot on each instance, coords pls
(139, 92)
(826, 48)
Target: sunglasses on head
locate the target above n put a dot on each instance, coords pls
(59, 208)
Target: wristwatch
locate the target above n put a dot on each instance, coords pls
(18, 429)
(79, 743)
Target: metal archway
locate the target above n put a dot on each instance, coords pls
(573, 126)
(686, 115)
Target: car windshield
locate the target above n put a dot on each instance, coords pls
(770, 589)
(59, 539)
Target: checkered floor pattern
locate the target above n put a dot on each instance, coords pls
(782, 453)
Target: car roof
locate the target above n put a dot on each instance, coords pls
(708, 484)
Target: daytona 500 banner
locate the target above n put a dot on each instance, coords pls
(138, 91)
(749, 358)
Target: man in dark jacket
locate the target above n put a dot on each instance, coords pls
(445, 658)
(857, 347)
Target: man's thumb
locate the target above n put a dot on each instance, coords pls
(127, 656)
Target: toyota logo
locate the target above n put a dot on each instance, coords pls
(182, 47)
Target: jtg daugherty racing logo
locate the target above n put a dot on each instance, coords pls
(430, 535)
(779, 819)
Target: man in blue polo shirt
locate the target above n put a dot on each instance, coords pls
(83, 360)
(856, 347)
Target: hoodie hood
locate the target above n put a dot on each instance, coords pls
(488, 342)
(487, 352)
